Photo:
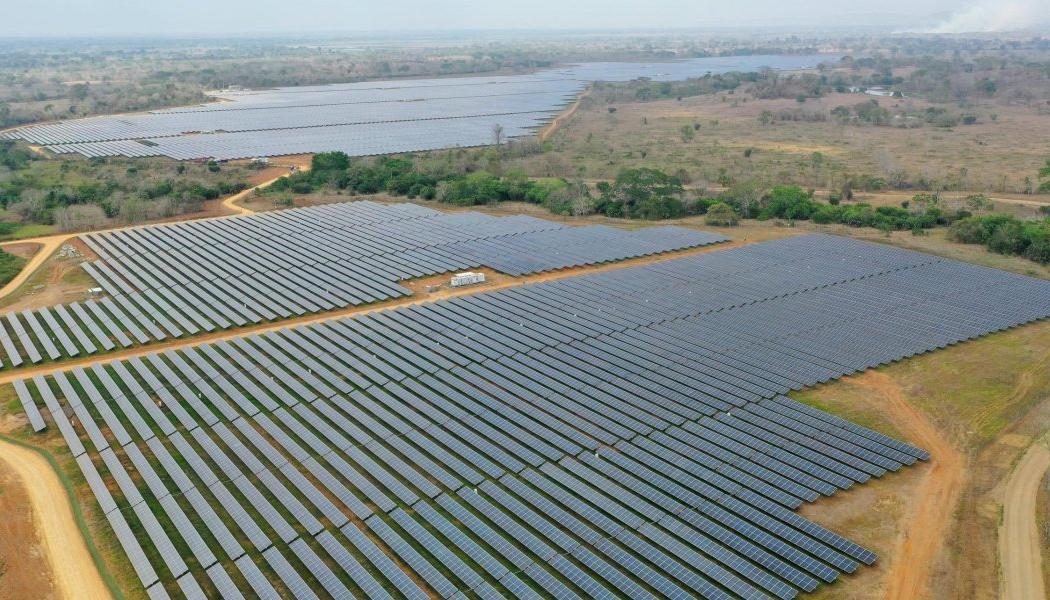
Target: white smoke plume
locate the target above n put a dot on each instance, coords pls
(997, 15)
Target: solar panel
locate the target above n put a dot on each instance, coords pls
(620, 432)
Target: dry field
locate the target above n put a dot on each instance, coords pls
(988, 400)
(595, 143)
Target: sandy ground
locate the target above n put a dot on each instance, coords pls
(1019, 546)
(24, 568)
(936, 495)
(74, 572)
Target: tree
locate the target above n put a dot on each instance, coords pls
(79, 217)
(847, 190)
(745, 196)
(329, 161)
(497, 135)
(721, 214)
(642, 193)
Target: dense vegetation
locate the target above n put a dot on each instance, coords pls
(428, 179)
(792, 203)
(1006, 235)
(74, 193)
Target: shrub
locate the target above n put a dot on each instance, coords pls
(968, 231)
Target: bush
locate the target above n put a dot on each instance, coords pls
(722, 215)
(1006, 235)
(968, 231)
(1008, 238)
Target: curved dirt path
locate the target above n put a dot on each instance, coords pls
(48, 245)
(230, 202)
(75, 573)
(930, 516)
(1019, 545)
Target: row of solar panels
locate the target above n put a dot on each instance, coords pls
(367, 139)
(621, 433)
(367, 102)
(444, 87)
(160, 125)
(363, 118)
(184, 279)
(383, 91)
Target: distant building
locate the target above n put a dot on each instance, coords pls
(883, 92)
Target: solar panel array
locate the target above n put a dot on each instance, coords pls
(376, 117)
(200, 276)
(618, 434)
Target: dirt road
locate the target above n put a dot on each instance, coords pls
(564, 117)
(75, 573)
(48, 245)
(1019, 547)
(929, 518)
(230, 203)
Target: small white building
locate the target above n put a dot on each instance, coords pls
(467, 278)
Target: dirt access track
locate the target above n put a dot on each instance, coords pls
(1019, 551)
(499, 282)
(937, 494)
(72, 566)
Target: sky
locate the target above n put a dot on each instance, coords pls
(84, 18)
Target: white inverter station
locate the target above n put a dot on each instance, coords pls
(467, 278)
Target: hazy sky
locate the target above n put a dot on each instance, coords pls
(165, 17)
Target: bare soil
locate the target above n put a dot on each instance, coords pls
(58, 280)
(25, 572)
(22, 249)
(935, 497)
(72, 571)
(1019, 538)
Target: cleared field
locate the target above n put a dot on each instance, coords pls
(596, 144)
(178, 280)
(621, 433)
